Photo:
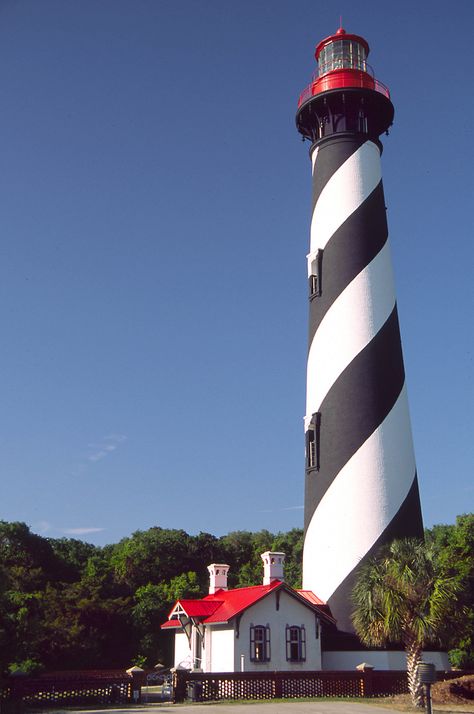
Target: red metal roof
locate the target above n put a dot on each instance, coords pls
(199, 608)
(232, 602)
(341, 34)
(223, 605)
(311, 597)
(315, 600)
(170, 623)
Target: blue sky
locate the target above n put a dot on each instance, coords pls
(154, 215)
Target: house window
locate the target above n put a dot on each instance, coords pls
(259, 643)
(295, 643)
(313, 442)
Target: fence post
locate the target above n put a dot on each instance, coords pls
(278, 685)
(179, 685)
(137, 674)
(367, 681)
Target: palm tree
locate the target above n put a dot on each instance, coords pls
(401, 597)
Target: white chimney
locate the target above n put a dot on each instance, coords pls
(217, 577)
(272, 566)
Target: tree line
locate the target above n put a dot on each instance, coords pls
(67, 604)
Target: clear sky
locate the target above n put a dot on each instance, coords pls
(154, 223)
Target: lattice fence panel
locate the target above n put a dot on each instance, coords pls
(288, 685)
(320, 685)
(301, 687)
(384, 683)
(61, 692)
(262, 688)
(232, 687)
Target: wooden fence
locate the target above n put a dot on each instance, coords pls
(286, 685)
(292, 685)
(65, 688)
(118, 687)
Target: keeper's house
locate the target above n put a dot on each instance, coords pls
(268, 627)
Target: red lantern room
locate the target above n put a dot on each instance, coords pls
(353, 99)
(342, 51)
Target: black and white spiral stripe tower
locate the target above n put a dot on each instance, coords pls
(361, 486)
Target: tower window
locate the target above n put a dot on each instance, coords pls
(362, 123)
(295, 643)
(259, 643)
(313, 442)
(315, 274)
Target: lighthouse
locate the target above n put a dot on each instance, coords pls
(361, 488)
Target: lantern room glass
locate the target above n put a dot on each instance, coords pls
(342, 54)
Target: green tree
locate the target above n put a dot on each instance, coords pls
(152, 604)
(291, 543)
(27, 562)
(453, 546)
(401, 597)
(242, 550)
(72, 557)
(203, 549)
(237, 549)
(151, 556)
(83, 627)
(28, 559)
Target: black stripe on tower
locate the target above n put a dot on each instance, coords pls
(357, 403)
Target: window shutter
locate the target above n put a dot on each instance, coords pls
(319, 269)
(267, 643)
(252, 643)
(303, 643)
(317, 438)
(309, 447)
(288, 643)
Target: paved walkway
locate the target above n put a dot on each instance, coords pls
(294, 707)
(269, 707)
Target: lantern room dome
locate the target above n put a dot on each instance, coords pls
(342, 51)
(341, 34)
